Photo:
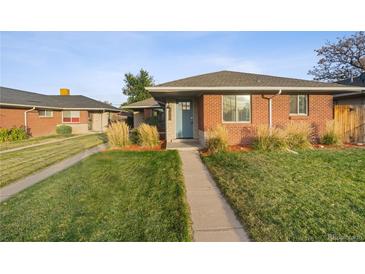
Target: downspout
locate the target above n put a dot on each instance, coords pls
(270, 106)
(25, 118)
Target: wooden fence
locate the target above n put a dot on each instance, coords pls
(350, 120)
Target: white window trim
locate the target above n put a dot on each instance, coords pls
(236, 122)
(45, 110)
(71, 117)
(306, 109)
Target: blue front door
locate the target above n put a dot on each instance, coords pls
(184, 119)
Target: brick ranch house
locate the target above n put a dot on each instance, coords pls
(41, 114)
(241, 102)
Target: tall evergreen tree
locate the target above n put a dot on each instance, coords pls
(135, 86)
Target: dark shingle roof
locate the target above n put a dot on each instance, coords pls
(26, 98)
(146, 103)
(240, 79)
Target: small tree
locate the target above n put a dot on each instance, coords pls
(341, 60)
(135, 86)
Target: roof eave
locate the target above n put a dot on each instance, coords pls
(56, 108)
(253, 88)
(139, 107)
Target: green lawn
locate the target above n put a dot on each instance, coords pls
(110, 196)
(318, 195)
(17, 164)
(31, 141)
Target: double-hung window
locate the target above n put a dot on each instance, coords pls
(45, 113)
(299, 104)
(236, 108)
(69, 116)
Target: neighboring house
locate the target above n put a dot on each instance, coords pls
(40, 113)
(353, 98)
(354, 81)
(241, 102)
(148, 110)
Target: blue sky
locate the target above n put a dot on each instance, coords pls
(94, 63)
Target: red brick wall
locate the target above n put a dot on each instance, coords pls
(84, 116)
(320, 111)
(38, 126)
(10, 117)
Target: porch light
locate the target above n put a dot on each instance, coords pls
(168, 108)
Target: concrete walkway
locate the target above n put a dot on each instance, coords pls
(189, 144)
(213, 219)
(12, 189)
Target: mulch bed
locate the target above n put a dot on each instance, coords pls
(231, 148)
(240, 148)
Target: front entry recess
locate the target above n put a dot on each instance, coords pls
(184, 119)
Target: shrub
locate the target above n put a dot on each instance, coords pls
(297, 135)
(64, 130)
(148, 135)
(4, 134)
(269, 139)
(13, 134)
(292, 136)
(18, 133)
(217, 139)
(118, 134)
(332, 135)
(133, 136)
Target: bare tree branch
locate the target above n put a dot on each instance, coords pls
(341, 60)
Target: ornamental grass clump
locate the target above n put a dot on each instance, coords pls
(148, 135)
(269, 139)
(298, 135)
(217, 139)
(13, 134)
(332, 135)
(118, 134)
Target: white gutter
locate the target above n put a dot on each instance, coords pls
(253, 88)
(25, 117)
(56, 108)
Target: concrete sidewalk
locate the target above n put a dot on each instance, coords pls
(12, 189)
(213, 219)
